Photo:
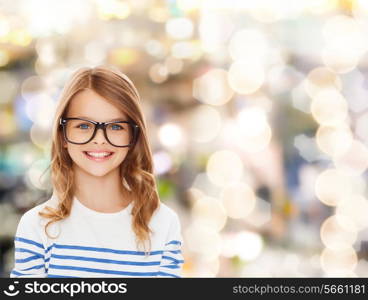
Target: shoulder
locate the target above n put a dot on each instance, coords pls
(165, 217)
(165, 212)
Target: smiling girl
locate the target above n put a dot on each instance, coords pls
(104, 218)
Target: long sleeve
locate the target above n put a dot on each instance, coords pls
(172, 258)
(29, 250)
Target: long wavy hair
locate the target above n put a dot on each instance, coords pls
(136, 171)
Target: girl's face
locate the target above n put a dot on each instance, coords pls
(89, 105)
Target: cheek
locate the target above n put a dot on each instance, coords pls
(119, 156)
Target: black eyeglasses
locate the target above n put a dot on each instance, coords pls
(81, 131)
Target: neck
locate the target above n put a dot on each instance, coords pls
(104, 194)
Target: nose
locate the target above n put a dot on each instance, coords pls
(99, 137)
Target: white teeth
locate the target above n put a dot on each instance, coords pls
(98, 154)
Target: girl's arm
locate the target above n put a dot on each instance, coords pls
(172, 258)
(29, 249)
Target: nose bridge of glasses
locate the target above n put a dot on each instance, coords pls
(99, 125)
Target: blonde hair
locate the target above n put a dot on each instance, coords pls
(137, 167)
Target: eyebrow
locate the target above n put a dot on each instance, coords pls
(116, 119)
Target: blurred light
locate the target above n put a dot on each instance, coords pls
(333, 186)
(7, 123)
(246, 77)
(155, 48)
(361, 126)
(4, 27)
(251, 131)
(4, 57)
(215, 30)
(173, 65)
(355, 90)
(189, 5)
(245, 244)
(158, 73)
(203, 240)
(20, 156)
(338, 32)
(334, 141)
(20, 37)
(307, 147)
(43, 19)
(158, 14)
(212, 87)
(35, 174)
(108, 9)
(40, 136)
(186, 50)
(8, 87)
(238, 199)
(224, 167)
(282, 78)
(124, 56)
(31, 86)
(267, 11)
(179, 28)
(94, 52)
(208, 211)
(319, 79)
(40, 109)
(329, 107)
(354, 207)
(338, 233)
(162, 162)
(204, 124)
(249, 44)
(170, 135)
(300, 99)
(207, 268)
(354, 161)
(339, 263)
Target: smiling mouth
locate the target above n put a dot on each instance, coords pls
(98, 156)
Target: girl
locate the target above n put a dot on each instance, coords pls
(104, 218)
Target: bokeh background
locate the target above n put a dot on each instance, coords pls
(257, 114)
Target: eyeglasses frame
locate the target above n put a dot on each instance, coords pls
(102, 125)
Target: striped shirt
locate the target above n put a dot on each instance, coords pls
(94, 244)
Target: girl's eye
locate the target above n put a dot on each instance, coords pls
(83, 126)
(116, 127)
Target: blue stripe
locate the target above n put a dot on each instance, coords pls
(109, 261)
(60, 276)
(106, 250)
(28, 251)
(102, 271)
(173, 259)
(49, 248)
(24, 260)
(17, 273)
(27, 241)
(167, 274)
(171, 266)
(34, 267)
(173, 251)
(173, 242)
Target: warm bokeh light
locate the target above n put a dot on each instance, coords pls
(212, 87)
(334, 140)
(204, 124)
(339, 263)
(224, 167)
(338, 233)
(238, 199)
(329, 107)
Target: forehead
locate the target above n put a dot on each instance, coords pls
(89, 104)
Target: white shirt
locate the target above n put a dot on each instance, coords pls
(96, 244)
